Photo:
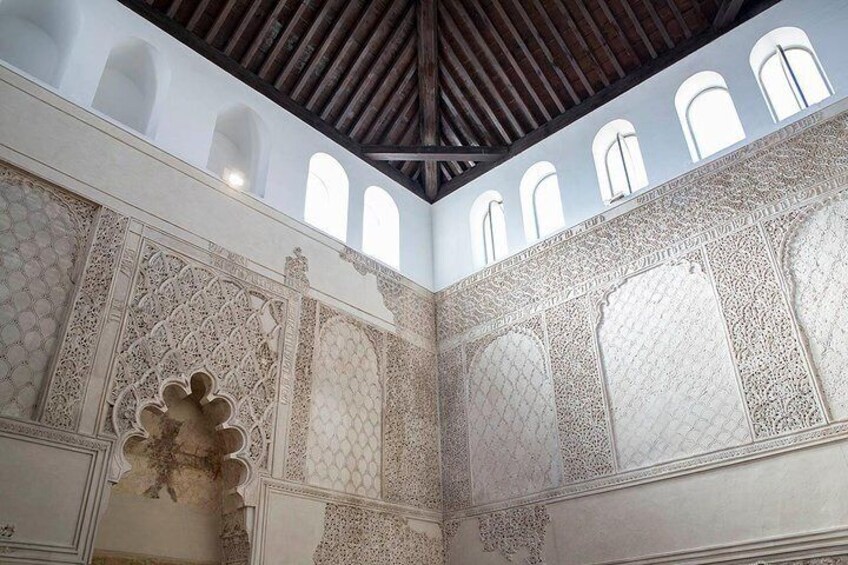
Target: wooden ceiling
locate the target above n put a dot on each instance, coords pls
(436, 92)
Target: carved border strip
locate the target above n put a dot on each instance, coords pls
(763, 341)
(73, 363)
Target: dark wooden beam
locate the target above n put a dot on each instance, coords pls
(219, 21)
(493, 61)
(342, 25)
(727, 12)
(658, 23)
(637, 25)
(305, 42)
(432, 153)
(260, 37)
(428, 87)
(572, 61)
(525, 50)
(232, 67)
(480, 73)
(587, 16)
(198, 12)
(280, 41)
(487, 23)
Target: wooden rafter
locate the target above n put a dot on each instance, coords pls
(428, 87)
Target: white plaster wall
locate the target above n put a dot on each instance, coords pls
(650, 108)
(197, 90)
(766, 506)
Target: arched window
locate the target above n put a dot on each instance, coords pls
(707, 115)
(36, 36)
(541, 203)
(488, 228)
(381, 226)
(237, 154)
(130, 86)
(326, 196)
(618, 161)
(789, 72)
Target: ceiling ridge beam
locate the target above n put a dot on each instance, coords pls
(428, 87)
(433, 153)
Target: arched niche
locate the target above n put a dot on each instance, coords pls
(131, 85)
(179, 498)
(238, 154)
(381, 226)
(36, 36)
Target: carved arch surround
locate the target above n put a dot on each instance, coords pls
(814, 258)
(185, 318)
(511, 395)
(671, 383)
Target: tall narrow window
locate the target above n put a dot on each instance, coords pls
(788, 70)
(618, 161)
(327, 196)
(541, 203)
(381, 227)
(36, 36)
(237, 154)
(488, 228)
(129, 86)
(707, 115)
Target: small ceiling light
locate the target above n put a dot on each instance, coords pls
(234, 178)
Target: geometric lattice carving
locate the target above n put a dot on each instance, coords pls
(818, 266)
(43, 232)
(411, 427)
(584, 435)
(510, 530)
(356, 535)
(184, 318)
(672, 386)
(775, 379)
(64, 398)
(453, 418)
(512, 419)
(343, 448)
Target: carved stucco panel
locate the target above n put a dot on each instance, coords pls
(367, 537)
(43, 236)
(511, 417)
(411, 427)
(584, 434)
(817, 264)
(76, 354)
(185, 318)
(344, 444)
(453, 417)
(672, 385)
(779, 392)
(509, 531)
